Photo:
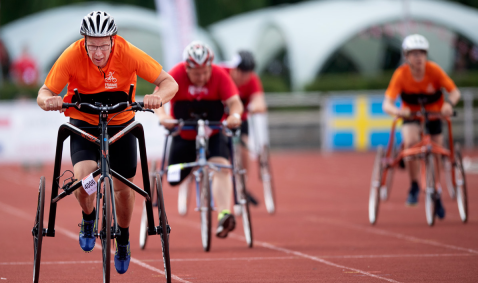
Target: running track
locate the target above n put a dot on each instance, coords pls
(320, 233)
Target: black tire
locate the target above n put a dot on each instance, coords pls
(430, 191)
(205, 209)
(37, 230)
(164, 233)
(461, 191)
(266, 178)
(374, 196)
(246, 216)
(143, 228)
(106, 230)
(447, 167)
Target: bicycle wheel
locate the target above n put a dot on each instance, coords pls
(385, 190)
(205, 209)
(460, 181)
(37, 230)
(143, 228)
(430, 189)
(266, 178)
(246, 216)
(447, 167)
(164, 232)
(374, 199)
(106, 230)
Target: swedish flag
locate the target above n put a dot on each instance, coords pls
(356, 123)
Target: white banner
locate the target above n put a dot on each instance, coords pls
(178, 19)
(28, 134)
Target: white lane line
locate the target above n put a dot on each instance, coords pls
(287, 251)
(382, 232)
(247, 258)
(21, 214)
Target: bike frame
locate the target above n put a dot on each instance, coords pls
(201, 162)
(424, 147)
(104, 141)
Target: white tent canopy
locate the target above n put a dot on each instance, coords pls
(312, 31)
(46, 34)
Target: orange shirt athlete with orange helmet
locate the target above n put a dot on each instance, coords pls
(419, 77)
(102, 66)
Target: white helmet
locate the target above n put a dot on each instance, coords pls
(98, 24)
(415, 42)
(198, 54)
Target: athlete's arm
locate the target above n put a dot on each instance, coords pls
(235, 111)
(167, 88)
(48, 100)
(453, 98)
(258, 103)
(389, 107)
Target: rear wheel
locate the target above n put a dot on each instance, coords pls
(447, 167)
(430, 192)
(105, 234)
(266, 177)
(460, 181)
(37, 230)
(374, 199)
(244, 203)
(385, 190)
(165, 229)
(205, 209)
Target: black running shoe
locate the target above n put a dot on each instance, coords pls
(412, 199)
(439, 208)
(226, 224)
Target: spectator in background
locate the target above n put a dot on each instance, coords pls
(24, 70)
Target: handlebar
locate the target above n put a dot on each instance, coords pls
(192, 125)
(135, 106)
(429, 114)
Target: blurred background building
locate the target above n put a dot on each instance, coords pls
(306, 50)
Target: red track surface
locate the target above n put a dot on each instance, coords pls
(320, 232)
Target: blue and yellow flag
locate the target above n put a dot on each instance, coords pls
(357, 123)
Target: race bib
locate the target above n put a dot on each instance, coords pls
(174, 173)
(89, 184)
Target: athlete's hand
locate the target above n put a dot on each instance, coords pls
(152, 101)
(446, 109)
(163, 120)
(233, 121)
(53, 103)
(403, 112)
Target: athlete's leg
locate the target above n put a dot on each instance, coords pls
(124, 201)
(244, 152)
(81, 170)
(411, 135)
(222, 185)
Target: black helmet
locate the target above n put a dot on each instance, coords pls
(247, 62)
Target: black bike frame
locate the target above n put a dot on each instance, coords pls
(136, 129)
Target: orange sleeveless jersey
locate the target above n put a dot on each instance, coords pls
(435, 79)
(75, 68)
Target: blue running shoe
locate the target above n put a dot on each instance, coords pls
(122, 257)
(87, 239)
(439, 208)
(412, 199)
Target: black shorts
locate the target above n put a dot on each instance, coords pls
(434, 126)
(183, 151)
(123, 155)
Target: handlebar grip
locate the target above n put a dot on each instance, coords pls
(68, 105)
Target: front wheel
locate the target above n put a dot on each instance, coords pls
(266, 177)
(205, 209)
(430, 191)
(374, 196)
(460, 181)
(244, 203)
(105, 234)
(164, 229)
(37, 230)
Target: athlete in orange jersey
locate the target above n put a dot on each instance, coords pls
(102, 66)
(419, 76)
